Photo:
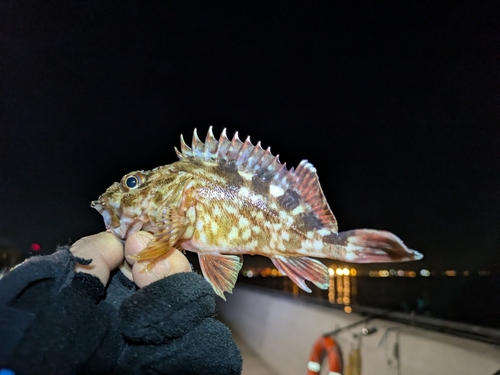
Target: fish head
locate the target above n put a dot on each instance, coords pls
(134, 203)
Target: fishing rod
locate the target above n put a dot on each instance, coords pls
(364, 331)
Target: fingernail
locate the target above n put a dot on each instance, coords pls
(161, 269)
(144, 238)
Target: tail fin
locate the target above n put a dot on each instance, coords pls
(375, 246)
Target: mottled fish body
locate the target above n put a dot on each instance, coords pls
(224, 198)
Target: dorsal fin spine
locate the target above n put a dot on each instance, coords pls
(280, 176)
(275, 164)
(179, 155)
(234, 149)
(254, 156)
(185, 149)
(245, 151)
(258, 158)
(222, 146)
(268, 159)
(210, 145)
(264, 159)
(197, 146)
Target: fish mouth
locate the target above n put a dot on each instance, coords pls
(109, 210)
(111, 217)
(121, 227)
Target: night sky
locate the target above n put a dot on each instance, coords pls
(396, 103)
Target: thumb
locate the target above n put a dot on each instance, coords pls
(174, 262)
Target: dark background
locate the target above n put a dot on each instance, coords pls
(395, 102)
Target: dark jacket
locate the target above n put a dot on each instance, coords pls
(56, 321)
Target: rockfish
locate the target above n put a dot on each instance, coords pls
(225, 198)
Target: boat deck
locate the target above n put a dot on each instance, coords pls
(252, 363)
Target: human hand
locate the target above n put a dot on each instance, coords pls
(108, 253)
(174, 262)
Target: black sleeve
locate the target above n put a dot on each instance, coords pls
(51, 321)
(170, 329)
(55, 321)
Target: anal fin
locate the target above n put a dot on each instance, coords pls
(299, 269)
(221, 271)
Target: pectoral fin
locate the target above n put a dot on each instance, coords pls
(221, 271)
(173, 226)
(300, 269)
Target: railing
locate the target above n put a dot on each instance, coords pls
(480, 333)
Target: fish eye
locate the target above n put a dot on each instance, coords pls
(132, 181)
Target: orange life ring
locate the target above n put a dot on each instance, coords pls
(325, 346)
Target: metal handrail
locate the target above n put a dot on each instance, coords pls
(471, 331)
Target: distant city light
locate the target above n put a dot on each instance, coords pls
(331, 271)
(339, 271)
(392, 272)
(266, 272)
(35, 247)
(348, 309)
(354, 272)
(425, 273)
(401, 273)
(383, 273)
(466, 273)
(412, 274)
(250, 273)
(450, 273)
(346, 271)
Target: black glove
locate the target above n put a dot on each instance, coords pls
(170, 329)
(59, 323)
(50, 322)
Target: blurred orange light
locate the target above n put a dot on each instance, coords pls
(348, 309)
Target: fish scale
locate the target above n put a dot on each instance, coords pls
(225, 198)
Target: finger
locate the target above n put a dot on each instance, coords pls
(136, 242)
(174, 262)
(105, 250)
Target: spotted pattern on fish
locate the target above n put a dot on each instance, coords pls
(228, 197)
(289, 200)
